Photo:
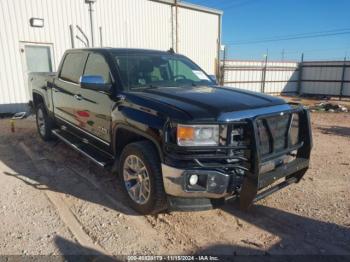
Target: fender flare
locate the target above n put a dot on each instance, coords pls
(140, 133)
(44, 97)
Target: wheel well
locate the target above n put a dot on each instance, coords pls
(124, 137)
(37, 99)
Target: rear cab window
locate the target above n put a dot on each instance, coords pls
(73, 67)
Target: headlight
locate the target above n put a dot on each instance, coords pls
(197, 135)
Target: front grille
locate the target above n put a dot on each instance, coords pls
(274, 133)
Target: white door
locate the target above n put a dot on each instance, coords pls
(36, 57)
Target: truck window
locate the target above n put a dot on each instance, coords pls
(179, 68)
(73, 66)
(150, 70)
(97, 65)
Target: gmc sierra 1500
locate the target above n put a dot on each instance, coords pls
(176, 138)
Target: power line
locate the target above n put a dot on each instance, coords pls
(300, 34)
(233, 4)
(318, 50)
(297, 36)
(201, 2)
(216, 1)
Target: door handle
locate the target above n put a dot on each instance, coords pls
(78, 97)
(121, 97)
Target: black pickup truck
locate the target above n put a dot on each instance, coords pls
(176, 138)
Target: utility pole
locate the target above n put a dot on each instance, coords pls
(282, 55)
(71, 30)
(101, 39)
(176, 26)
(90, 3)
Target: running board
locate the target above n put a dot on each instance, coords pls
(98, 157)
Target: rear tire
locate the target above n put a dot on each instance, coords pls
(141, 177)
(44, 123)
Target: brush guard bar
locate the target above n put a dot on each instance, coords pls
(256, 185)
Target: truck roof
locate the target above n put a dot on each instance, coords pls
(122, 50)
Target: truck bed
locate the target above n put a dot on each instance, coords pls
(38, 80)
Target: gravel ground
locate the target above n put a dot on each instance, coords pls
(54, 201)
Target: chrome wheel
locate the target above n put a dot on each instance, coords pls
(136, 179)
(41, 122)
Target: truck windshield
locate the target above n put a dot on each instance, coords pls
(140, 71)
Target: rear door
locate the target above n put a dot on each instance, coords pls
(66, 87)
(95, 107)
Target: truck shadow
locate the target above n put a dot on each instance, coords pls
(336, 130)
(67, 172)
(294, 237)
(296, 233)
(72, 251)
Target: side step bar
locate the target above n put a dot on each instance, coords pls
(98, 157)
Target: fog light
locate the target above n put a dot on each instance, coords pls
(193, 180)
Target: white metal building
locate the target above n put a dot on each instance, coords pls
(35, 33)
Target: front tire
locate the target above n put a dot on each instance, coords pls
(44, 123)
(141, 176)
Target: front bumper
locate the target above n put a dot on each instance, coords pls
(256, 183)
(176, 182)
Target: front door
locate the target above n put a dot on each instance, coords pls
(95, 107)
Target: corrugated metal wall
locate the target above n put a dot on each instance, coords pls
(198, 36)
(326, 77)
(314, 78)
(134, 23)
(15, 28)
(124, 23)
(260, 76)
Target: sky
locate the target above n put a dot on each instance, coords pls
(247, 21)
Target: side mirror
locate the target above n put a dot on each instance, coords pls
(94, 82)
(214, 79)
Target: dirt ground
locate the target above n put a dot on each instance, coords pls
(54, 201)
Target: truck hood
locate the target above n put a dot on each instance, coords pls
(206, 102)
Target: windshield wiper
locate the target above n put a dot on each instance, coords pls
(144, 87)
